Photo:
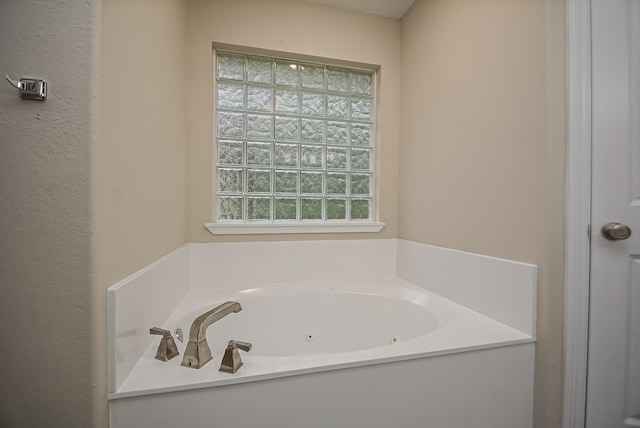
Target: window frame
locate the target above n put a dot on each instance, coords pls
(272, 226)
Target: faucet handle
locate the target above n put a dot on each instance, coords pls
(160, 331)
(167, 348)
(231, 362)
(245, 346)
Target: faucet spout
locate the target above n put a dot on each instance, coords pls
(198, 353)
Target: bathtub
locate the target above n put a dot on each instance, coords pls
(297, 320)
(309, 327)
(357, 350)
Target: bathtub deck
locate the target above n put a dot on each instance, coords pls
(467, 331)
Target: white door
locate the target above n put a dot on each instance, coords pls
(613, 382)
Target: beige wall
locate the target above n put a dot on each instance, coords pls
(298, 28)
(140, 167)
(483, 149)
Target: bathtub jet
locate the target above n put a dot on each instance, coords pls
(198, 352)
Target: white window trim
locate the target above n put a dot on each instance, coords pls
(269, 228)
(301, 227)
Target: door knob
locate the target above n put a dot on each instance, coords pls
(615, 231)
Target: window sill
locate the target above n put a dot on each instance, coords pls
(272, 228)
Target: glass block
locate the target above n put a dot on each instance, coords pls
(312, 77)
(287, 101)
(361, 108)
(259, 126)
(286, 128)
(230, 96)
(360, 159)
(259, 208)
(359, 184)
(260, 99)
(336, 209)
(361, 83)
(336, 158)
(336, 183)
(286, 181)
(361, 134)
(230, 124)
(230, 208)
(230, 152)
(258, 181)
(286, 74)
(286, 155)
(337, 106)
(310, 182)
(337, 132)
(230, 67)
(337, 80)
(229, 180)
(312, 130)
(311, 208)
(259, 70)
(311, 157)
(258, 154)
(285, 209)
(313, 104)
(360, 209)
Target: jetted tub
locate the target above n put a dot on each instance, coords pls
(316, 326)
(397, 334)
(293, 321)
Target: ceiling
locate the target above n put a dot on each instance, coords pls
(386, 8)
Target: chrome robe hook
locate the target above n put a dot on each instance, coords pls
(30, 89)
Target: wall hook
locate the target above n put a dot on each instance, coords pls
(14, 83)
(30, 89)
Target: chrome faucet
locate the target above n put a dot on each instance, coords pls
(167, 348)
(198, 353)
(231, 362)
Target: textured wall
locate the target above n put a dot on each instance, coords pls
(293, 27)
(45, 319)
(483, 147)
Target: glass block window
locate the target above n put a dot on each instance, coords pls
(294, 141)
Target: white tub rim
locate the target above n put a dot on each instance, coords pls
(462, 334)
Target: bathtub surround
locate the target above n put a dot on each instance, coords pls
(158, 287)
(496, 289)
(501, 289)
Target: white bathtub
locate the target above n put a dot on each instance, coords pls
(297, 320)
(398, 340)
(317, 326)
